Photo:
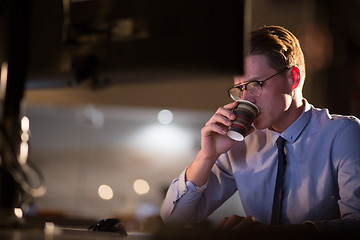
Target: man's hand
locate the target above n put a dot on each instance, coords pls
(214, 139)
(250, 225)
(238, 223)
(214, 142)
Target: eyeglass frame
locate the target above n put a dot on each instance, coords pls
(242, 86)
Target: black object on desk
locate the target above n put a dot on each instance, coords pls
(109, 225)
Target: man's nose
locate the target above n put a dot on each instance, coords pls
(247, 96)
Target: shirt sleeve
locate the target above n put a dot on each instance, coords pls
(346, 159)
(188, 193)
(186, 203)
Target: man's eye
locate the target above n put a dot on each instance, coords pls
(253, 84)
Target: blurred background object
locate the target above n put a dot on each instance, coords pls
(113, 119)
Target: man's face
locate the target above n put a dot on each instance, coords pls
(275, 100)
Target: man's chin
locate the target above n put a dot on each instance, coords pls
(259, 125)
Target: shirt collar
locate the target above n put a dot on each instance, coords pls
(292, 133)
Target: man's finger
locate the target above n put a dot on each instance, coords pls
(230, 222)
(231, 105)
(245, 223)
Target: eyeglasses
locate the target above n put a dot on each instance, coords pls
(253, 87)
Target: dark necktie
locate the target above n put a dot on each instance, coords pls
(278, 193)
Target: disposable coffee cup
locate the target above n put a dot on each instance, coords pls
(245, 114)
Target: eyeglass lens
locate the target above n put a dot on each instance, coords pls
(253, 88)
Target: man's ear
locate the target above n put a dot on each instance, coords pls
(295, 77)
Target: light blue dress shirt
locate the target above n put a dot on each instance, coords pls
(321, 182)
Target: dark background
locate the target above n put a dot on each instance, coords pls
(96, 80)
(115, 67)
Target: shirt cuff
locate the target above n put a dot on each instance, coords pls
(191, 186)
(182, 183)
(185, 186)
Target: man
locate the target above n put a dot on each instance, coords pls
(321, 180)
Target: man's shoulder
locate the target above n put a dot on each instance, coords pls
(323, 114)
(322, 118)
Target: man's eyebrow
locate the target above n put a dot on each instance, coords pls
(251, 80)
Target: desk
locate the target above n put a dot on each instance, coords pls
(63, 233)
(60, 234)
(57, 228)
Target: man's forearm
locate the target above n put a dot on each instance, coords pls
(199, 170)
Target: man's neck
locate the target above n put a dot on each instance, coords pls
(291, 115)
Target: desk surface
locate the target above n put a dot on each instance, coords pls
(63, 234)
(54, 232)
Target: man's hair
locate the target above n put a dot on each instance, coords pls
(280, 47)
